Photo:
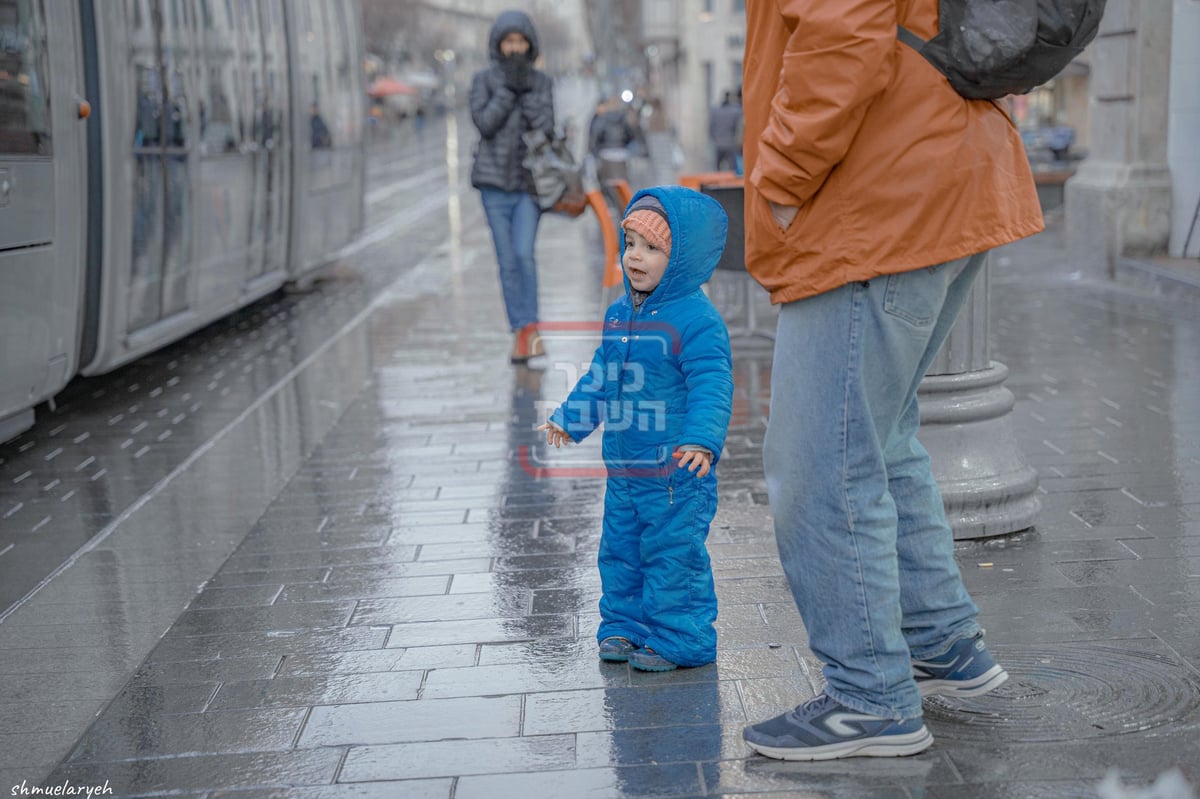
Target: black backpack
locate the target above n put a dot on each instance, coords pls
(991, 48)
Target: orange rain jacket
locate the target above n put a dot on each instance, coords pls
(890, 168)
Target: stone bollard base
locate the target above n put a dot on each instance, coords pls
(966, 425)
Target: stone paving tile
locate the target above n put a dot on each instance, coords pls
(343, 662)
(323, 557)
(458, 719)
(242, 645)
(370, 572)
(840, 778)
(459, 757)
(661, 703)
(233, 578)
(238, 596)
(659, 780)
(432, 633)
(313, 691)
(202, 772)
(1044, 789)
(167, 699)
(261, 729)
(433, 585)
(156, 672)
(444, 607)
(408, 789)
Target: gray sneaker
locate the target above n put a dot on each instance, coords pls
(966, 669)
(824, 729)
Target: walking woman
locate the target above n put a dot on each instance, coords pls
(507, 99)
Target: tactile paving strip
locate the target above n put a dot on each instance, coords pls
(1071, 692)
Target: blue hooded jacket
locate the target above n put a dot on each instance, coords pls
(662, 376)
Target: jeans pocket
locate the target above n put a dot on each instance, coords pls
(916, 297)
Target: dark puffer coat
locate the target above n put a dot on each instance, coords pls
(502, 115)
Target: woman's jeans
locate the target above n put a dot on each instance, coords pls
(513, 217)
(859, 521)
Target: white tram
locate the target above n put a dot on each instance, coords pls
(163, 163)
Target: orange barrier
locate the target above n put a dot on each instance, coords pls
(612, 264)
(624, 192)
(595, 197)
(698, 179)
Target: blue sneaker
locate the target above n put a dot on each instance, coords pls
(824, 729)
(616, 649)
(649, 660)
(967, 669)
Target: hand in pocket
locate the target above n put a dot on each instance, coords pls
(784, 214)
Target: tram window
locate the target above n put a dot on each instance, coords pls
(148, 117)
(250, 95)
(341, 62)
(24, 79)
(219, 119)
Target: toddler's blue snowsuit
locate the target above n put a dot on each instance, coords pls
(661, 378)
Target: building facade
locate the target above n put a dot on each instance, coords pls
(1136, 197)
(694, 49)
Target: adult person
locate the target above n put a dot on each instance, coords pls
(611, 137)
(873, 193)
(723, 123)
(509, 98)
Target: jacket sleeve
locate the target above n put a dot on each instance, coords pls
(707, 368)
(490, 106)
(538, 105)
(838, 57)
(581, 413)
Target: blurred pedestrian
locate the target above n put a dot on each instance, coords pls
(873, 193)
(662, 384)
(509, 98)
(611, 135)
(723, 124)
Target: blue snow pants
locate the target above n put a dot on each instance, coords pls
(654, 567)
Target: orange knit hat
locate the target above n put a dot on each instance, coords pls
(649, 221)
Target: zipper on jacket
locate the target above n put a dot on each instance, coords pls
(670, 495)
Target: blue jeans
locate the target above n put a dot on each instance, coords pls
(862, 533)
(513, 217)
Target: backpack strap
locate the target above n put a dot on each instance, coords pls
(908, 37)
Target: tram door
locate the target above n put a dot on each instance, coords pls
(42, 203)
(241, 85)
(266, 66)
(160, 56)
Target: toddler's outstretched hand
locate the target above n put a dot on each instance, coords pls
(695, 461)
(555, 436)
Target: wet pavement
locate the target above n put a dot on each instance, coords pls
(317, 550)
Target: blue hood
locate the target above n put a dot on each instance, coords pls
(698, 229)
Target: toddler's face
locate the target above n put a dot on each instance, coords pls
(644, 263)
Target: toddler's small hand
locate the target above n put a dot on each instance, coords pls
(699, 463)
(555, 435)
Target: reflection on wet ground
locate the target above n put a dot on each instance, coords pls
(362, 589)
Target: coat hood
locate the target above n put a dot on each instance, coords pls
(512, 22)
(698, 229)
